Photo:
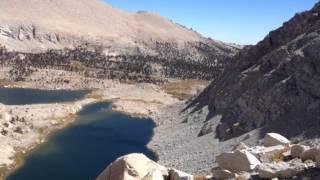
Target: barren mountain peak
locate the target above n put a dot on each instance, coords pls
(87, 19)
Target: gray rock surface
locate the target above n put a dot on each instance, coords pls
(222, 174)
(177, 143)
(274, 139)
(310, 154)
(273, 85)
(267, 154)
(270, 87)
(237, 161)
(297, 150)
(280, 170)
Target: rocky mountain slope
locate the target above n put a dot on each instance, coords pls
(270, 87)
(105, 42)
(273, 85)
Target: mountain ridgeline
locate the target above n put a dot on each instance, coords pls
(104, 42)
(273, 85)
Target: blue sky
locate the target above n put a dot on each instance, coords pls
(239, 21)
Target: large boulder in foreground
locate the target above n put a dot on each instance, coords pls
(237, 161)
(133, 167)
(274, 139)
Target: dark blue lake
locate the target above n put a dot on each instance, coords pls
(82, 150)
(20, 96)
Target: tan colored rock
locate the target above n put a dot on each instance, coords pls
(6, 154)
(154, 175)
(310, 154)
(222, 174)
(2, 107)
(297, 150)
(240, 160)
(179, 175)
(132, 167)
(274, 139)
(267, 154)
(5, 116)
(280, 170)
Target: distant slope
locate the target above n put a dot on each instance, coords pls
(109, 42)
(274, 85)
(30, 25)
(85, 17)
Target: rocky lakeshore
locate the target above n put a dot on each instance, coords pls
(25, 126)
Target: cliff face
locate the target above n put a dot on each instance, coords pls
(273, 85)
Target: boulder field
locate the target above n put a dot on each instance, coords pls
(275, 158)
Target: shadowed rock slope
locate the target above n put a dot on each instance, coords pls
(273, 85)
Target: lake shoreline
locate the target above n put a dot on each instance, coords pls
(21, 152)
(137, 104)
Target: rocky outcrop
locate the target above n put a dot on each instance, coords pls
(247, 163)
(280, 170)
(274, 139)
(281, 164)
(133, 167)
(272, 85)
(297, 150)
(240, 160)
(310, 154)
(139, 167)
(219, 173)
(268, 154)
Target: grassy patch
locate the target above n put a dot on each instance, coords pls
(199, 178)
(184, 89)
(3, 171)
(7, 83)
(95, 94)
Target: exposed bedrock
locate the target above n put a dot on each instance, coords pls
(273, 85)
